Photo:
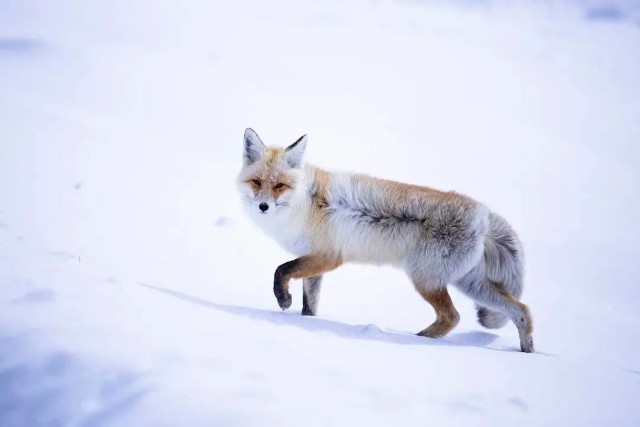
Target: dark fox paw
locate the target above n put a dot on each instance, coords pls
(306, 311)
(284, 300)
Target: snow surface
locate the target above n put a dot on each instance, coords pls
(134, 293)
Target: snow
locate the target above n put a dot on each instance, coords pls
(134, 292)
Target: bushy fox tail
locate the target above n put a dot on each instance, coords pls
(504, 261)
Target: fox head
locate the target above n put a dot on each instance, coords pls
(271, 177)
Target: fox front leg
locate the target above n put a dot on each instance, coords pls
(281, 285)
(304, 267)
(310, 295)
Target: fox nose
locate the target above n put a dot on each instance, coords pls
(263, 206)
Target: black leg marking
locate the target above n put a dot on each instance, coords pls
(281, 283)
(305, 267)
(310, 295)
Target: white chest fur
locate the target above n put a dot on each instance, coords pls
(295, 244)
(288, 233)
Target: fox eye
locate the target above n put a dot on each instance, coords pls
(278, 186)
(256, 182)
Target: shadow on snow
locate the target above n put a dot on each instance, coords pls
(344, 330)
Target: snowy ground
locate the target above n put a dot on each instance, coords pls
(133, 292)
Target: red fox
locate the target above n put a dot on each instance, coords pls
(438, 238)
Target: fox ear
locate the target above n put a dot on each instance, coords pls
(295, 151)
(253, 147)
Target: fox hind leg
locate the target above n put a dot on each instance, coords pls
(492, 295)
(447, 316)
(310, 295)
